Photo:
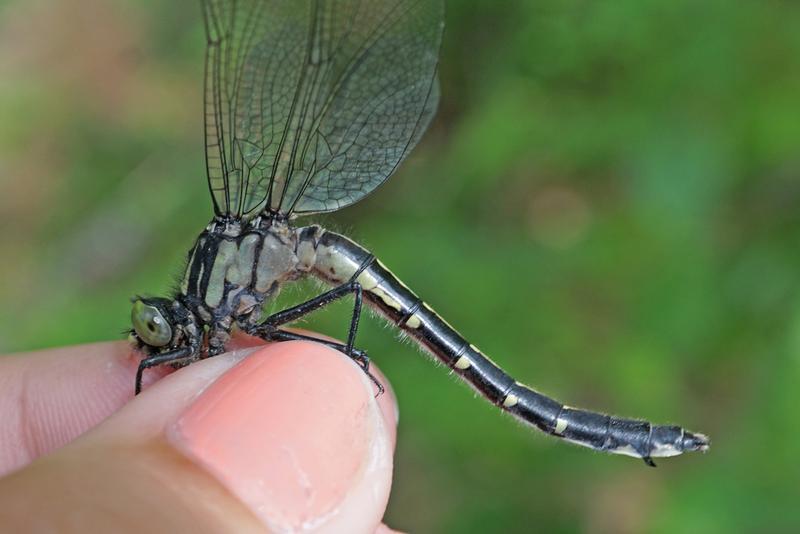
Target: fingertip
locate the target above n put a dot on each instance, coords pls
(383, 529)
(387, 401)
(296, 433)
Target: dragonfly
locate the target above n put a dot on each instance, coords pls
(310, 105)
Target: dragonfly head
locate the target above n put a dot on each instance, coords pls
(160, 324)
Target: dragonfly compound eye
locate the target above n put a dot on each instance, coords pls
(150, 325)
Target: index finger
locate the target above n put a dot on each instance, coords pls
(50, 397)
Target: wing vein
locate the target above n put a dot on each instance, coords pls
(312, 104)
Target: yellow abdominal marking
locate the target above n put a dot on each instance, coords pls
(665, 450)
(463, 363)
(627, 450)
(368, 282)
(389, 301)
(561, 426)
(510, 400)
(414, 321)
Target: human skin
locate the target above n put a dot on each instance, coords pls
(280, 437)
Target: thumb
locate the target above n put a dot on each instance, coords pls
(289, 438)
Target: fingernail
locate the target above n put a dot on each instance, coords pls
(288, 430)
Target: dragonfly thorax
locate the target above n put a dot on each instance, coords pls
(232, 270)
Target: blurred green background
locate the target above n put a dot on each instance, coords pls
(608, 203)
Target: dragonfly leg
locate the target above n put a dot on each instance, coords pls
(358, 355)
(269, 330)
(300, 310)
(174, 356)
(218, 337)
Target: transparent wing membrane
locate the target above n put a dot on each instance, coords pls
(312, 104)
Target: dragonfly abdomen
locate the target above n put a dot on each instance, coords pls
(338, 259)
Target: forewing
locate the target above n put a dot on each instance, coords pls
(233, 28)
(323, 98)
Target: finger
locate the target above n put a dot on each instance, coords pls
(290, 437)
(383, 529)
(50, 397)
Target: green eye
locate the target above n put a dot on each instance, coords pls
(150, 325)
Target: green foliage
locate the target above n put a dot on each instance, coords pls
(607, 204)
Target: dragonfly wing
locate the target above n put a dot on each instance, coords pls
(312, 104)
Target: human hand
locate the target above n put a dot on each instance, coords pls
(282, 437)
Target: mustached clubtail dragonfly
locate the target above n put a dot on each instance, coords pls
(309, 106)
